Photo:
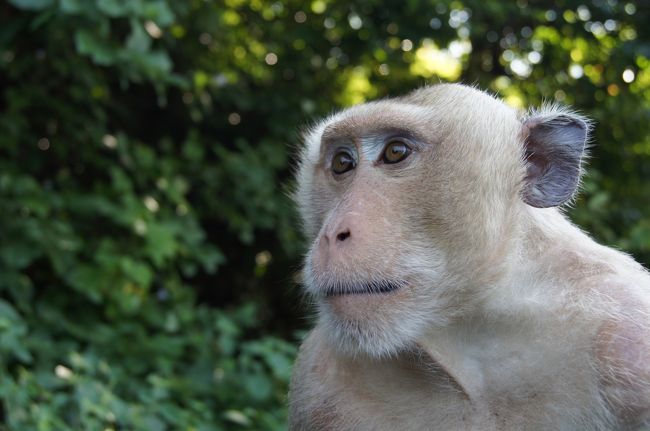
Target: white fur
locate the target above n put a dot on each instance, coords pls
(510, 317)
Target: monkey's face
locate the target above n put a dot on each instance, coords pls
(400, 199)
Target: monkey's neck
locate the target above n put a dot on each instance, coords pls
(469, 357)
(461, 369)
(507, 310)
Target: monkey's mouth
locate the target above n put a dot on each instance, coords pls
(363, 288)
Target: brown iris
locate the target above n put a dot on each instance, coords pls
(395, 152)
(343, 162)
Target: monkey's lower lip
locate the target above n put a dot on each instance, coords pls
(368, 288)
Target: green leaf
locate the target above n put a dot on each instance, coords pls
(258, 385)
(137, 271)
(113, 8)
(20, 254)
(32, 4)
(158, 11)
(156, 63)
(90, 280)
(161, 242)
(90, 44)
(280, 364)
(73, 6)
(211, 258)
(12, 333)
(138, 39)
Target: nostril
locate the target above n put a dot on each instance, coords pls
(343, 235)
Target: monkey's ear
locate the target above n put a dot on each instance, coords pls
(554, 144)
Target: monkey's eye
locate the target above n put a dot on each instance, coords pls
(395, 152)
(343, 162)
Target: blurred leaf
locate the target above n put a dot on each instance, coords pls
(89, 44)
(114, 8)
(32, 4)
(138, 40)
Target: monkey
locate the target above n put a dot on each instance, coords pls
(451, 290)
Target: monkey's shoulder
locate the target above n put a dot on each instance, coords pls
(622, 353)
(311, 407)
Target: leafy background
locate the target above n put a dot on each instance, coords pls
(147, 243)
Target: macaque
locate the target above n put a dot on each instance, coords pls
(452, 291)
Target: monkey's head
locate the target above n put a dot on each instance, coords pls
(414, 206)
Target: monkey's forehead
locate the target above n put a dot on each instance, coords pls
(368, 119)
(429, 113)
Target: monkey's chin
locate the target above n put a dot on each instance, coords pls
(376, 324)
(362, 306)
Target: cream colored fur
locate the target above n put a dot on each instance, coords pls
(511, 318)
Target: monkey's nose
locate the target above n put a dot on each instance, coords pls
(334, 243)
(340, 235)
(343, 235)
(331, 241)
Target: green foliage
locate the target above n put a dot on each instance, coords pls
(146, 235)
